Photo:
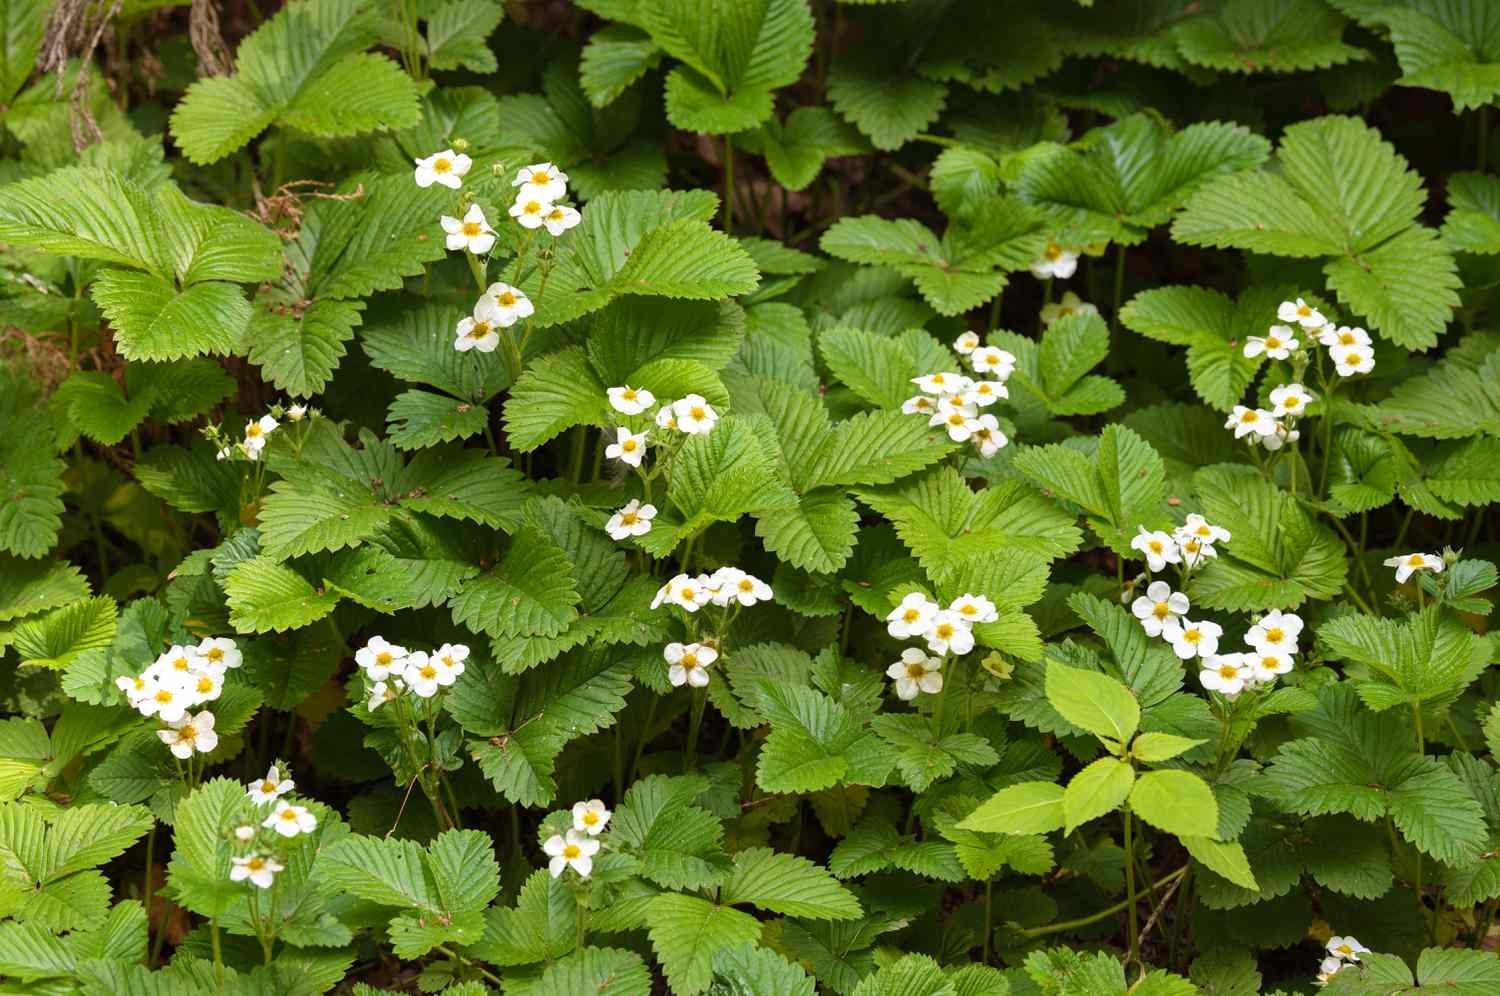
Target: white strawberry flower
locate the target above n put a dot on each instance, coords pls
(560, 219)
(574, 849)
(205, 686)
(267, 790)
(1192, 639)
(1071, 304)
(135, 688)
(959, 420)
(685, 592)
(916, 673)
(1291, 400)
(244, 833)
(590, 817)
(1346, 948)
(190, 734)
(511, 304)
(628, 447)
(1224, 673)
(1265, 668)
(974, 608)
(382, 692)
(941, 383)
(920, 405)
(1245, 421)
(688, 663)
(446, 168)
(544, 181)
(1408, 564)
(695, 416)
(296, 413)
(256, 432)
(166, 702)
(985, 393)
(993, 361)
(177, 666)
(966, 343)
(632, 520)
(219, 653)
(1203, 531)
(731, 584)
(450, 658)
(1278, 437)
(425, 676)
(1275, 632)
(472, 232)
(912, 617)
(380, 658)
(1194, 551)
(1334, 336)
(1302, 313)
(480, 330)
(1055, 261)
(1159, 606)
(949, 633)
(1157, 547)
(1351, 360)
(530, 212)
(629, 400)
(1327, 969)
(289, 820)
(666, 418)
(257, 868)
(1277, 344)
(987, 436)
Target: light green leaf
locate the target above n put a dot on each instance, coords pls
(1026, 808)
(1178, 802)
(1096, 790)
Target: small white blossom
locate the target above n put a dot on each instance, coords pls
(296, 413)
(163, 701)
(1193, 550)
(447, 168)
(1278, 437)
(472, 232)
(1346, 948)
(382, 692)
(629, 400)
(190, 735)
(1224, 673)
(1192, 639)
(974, 608)
(380, 658)
(560, 219)
(590, 817)
(259, 869)
(204, 686)
(1157, 547)
(511, 304)
(941, 383)
(1276, 344)
(694, 415)
(949, 633)
(993, 362)
(966, 343)
(1327, 970)
(1055, 261)
(135, 688)
(543, 181)
(220, 653)
(920, 405)
(481, 330)
(915, 673)
(628, 447)
(1343, 335)
(1351, 360)
(1265, 668)
(666, 418)
(289, 820)
(244, 833)
(733, 585)
(267, 790)
(450, 658)
(574, 849)
(256, 432)
(1245, 421)
(530, 212)
(1159, 606)
(959, 420)
(425, 676)
(1203, 531)
(912, 617)
(1409, 563)
(1071, 304)
(1302, 313)
(688, 663)
(987, 436)
(632, 520)
(1291, 400)
(1275, 632)
(685, 592)
(985, 393)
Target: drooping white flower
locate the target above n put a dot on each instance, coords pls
(256, 432)
(574, 848)
(511, 304)
(289, 820)
(135, 689)
(1193, 550)
(966, 343)
(1246, 421)
(257, 868)
(949, 633)
(1277, 344)
(985, 393)
(942, 383)
(382, 692)
(958, 420)
(1203, 531)
(1302, 313)
(1327, 969)
(1055, 261)
(1157, 547)
(220, 653)
(974, 608)
(1224, 673)
(560, 219)
(1192, 639)
(543, 181)
(1275, 632)
(1346, 948)
(632, 520)
(733, 585)
(688, 663)
(296, 413)
(992, 361)
(590, 817)
(1159, 606)
(695, 415)
(471, 232)
(912, 617)
(447, 168)
(922, 404)
(190, 734)
(1333, 336)
(629, 400)
(380, 658)
(481, 329)
(916, 673)
(1351, 360)
(1291, 400)
(267, 790)
(1071, 304)
(987, 436)
(628, 447)
(1408, 564)
(1265, 668)
(666, 418)
(530, 212)
(1278, 437)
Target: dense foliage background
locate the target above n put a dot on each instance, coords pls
(759, 497)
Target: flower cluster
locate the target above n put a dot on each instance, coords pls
(537, 204)
(257, 431)
(390, 670)
(1271, 643)
(953, 400)
(285, 820)
(728, 588)
(181, 679)
(691, 415)
(578, 846)
(1341, 952)
(1187, 546)
(947, 631)
(499, 307)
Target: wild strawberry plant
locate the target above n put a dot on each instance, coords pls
(772, 497)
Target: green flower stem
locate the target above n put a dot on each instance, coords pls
(1109, 911)
(1132, 925)
(213, 934)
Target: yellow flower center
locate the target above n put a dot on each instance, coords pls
(1344, 949)
(915, 671)
(541, 177)
(448, 660)
(506, 300)
(1192, 636)
(628, 446)
(1249, 417)
(1272, 342)
(215, 654)
(1155, 546)
(163, 696)
(427, 671)
(1065, 310)
(1228, 671)
(252, 431)
(689, 661)
(255, 864)
(688, 595)
(697, 412)
(628, 394)
(1053, 251)
(187, 733)
(472, 229)
(590, 818)
(289, 815)
(1415, 560)
(441, 165)
(1303, 311)
(968, 609)
(1346, 338)
(746, 584)
(181, 664)
(1269, 663)
(571, 851)
(629, 518)
(533, 207)
(383, 659)
(1275, 634)
(956, 419)
(1204, 531)
(205, 685)
(1191, 546)
(911, 615)
(1161, 610)
(944, 630)
(480, 330)
(267, 787)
